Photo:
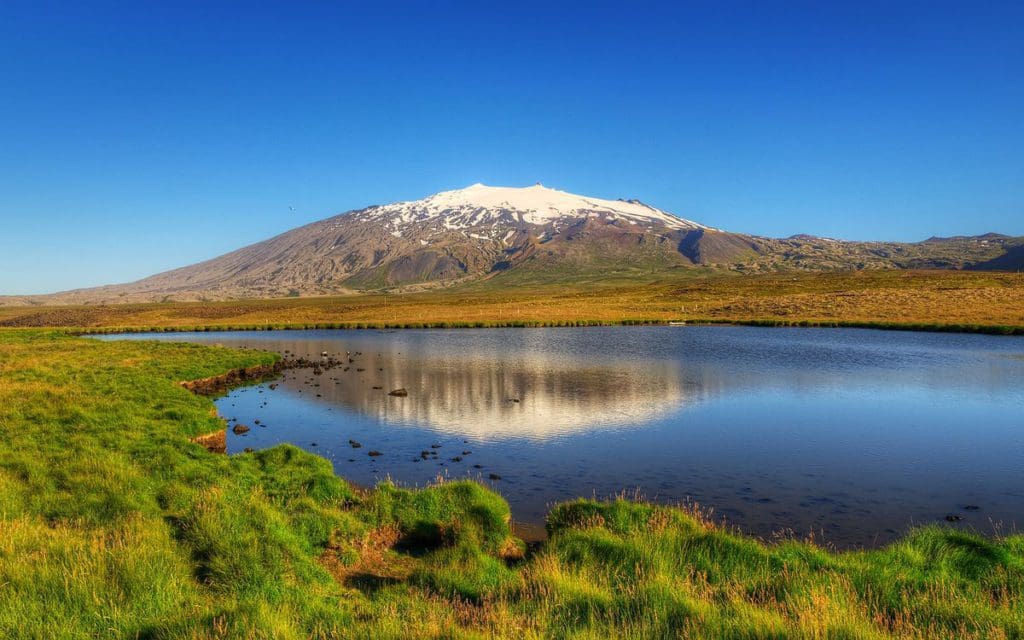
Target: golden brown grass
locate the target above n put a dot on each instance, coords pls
(933, 298)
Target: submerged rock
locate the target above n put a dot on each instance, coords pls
(400, 393)
(239, 428)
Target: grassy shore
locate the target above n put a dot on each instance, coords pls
(922, 300)
(113, 523)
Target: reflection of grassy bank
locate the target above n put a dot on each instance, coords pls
(112, 524)
(935, 300)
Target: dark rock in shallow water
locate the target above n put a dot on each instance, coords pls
(239, 428)
(375, 453)
(248, 450)
(971, 507)
(435, 446)
(953, 518)
(354, 444)
(378, 387)
(457, 459)
(400, 393)
(494, 476)
(478, 466)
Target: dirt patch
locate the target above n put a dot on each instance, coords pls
(377, 564)
(219, 384)
(74, 317)
(216, 442)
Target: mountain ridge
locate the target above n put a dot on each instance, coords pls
(484, 232)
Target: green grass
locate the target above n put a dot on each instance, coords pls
(113, 524)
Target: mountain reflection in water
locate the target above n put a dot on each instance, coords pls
(533, 396)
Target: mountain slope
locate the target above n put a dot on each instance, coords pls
(486, 232)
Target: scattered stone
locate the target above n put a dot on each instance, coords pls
(239, 428)
(494, 476)
(256, 422)
(374, 453)
(457, 459)
(953, 518)
(354, 444)
(435, 446)
(378, 387)
(466, 453)
(400, 393)
(312, 444)
(478, 466)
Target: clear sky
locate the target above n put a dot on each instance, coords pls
(136, 137)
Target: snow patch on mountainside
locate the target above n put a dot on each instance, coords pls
(479, 205)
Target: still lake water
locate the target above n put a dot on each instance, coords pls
(854, 435)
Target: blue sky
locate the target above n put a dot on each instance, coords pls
(137, 137)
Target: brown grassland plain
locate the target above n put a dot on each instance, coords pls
(951, 300)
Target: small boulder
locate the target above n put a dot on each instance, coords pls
(239, 428)
(375, 453)
(399, 393)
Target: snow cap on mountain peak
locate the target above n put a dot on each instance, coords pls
(536, 204)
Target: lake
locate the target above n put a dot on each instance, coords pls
(853, 435)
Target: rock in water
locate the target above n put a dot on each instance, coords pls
(400, 393)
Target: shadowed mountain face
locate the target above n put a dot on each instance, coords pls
(483, 232)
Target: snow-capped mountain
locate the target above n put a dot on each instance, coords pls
(481, 206)
(447, 237)
(513, 235)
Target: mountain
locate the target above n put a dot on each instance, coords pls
(515, 233)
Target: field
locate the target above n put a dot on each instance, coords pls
(114, 523)
(939, 300)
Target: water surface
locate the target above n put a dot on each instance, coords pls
(852, 435)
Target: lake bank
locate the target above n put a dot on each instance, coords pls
(850, 434)
(134, 530)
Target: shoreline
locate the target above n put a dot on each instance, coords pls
(1003, 330)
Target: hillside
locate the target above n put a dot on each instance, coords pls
(514, 235)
